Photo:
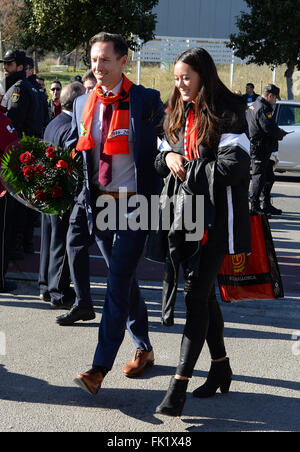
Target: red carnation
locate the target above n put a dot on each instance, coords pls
(40, 195)
(28, 172)
(39, 170)
(57, 192)
(51, 152)
(62, 164)
(27, 158)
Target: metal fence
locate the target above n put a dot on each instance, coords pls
(165, 50)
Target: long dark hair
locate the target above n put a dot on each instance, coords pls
(217, 109)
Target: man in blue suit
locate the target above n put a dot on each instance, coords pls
(116, 128)
(54, 274)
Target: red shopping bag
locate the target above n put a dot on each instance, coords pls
(255, 276)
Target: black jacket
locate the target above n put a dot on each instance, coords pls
(252, 98)
(227, 172)
(181, 208)
(51, 110)
(58, 130)
(263, 131)
(21, 104)
(43, 115)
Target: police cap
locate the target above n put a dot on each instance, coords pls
(14, 55)
(272, 89)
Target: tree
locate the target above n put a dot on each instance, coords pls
(9, 11)
(68, 24)
(269, 34)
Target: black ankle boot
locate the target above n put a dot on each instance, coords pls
(220, 376)
(174, 400)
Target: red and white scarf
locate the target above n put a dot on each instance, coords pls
(191, 136)
(117, 139)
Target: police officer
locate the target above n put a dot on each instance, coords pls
(7, 136)
(19, 100)
(264, 135)
(21, 104)
(268, 208)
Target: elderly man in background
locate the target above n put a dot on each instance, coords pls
(54, 275)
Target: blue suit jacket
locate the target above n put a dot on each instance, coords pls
(58, 130)
(146, 116)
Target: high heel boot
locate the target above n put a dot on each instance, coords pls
(174, 400)
(220, 376)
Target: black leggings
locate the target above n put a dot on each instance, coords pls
(204, 320)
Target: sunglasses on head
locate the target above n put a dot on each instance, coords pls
(55, 89)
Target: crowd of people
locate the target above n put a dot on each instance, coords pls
(208, 141)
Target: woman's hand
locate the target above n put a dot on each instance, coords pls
(175, 163)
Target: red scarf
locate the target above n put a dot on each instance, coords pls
(117, 139)
(190, 136)
(57, 107)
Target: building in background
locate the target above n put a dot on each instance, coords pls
(192, 23)
(214, 19)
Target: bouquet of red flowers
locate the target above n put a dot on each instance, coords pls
(41, 176)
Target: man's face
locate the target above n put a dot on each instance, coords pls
(107, 65)
(11, 68)
(29, 71)
(88, 85)
(249, 90)
(55, 91)
(271, 98)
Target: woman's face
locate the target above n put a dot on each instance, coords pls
(187, 81)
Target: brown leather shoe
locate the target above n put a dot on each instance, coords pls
(90, 381)
(141, 359)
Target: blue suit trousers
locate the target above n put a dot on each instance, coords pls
(124, 306)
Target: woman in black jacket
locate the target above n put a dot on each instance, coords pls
(206, 121)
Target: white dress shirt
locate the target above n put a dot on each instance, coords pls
(123, 166)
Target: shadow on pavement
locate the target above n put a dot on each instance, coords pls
(236, 411)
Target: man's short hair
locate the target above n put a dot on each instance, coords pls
(89, 75)
(69, 94)
(250, 84)
(120, 45)
(76, 78)
(29, 62)
(271, 89)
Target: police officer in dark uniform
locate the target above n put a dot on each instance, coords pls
(43, 116)
(8, 136)
(19, 100)
(264, 135)
(21, 104)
